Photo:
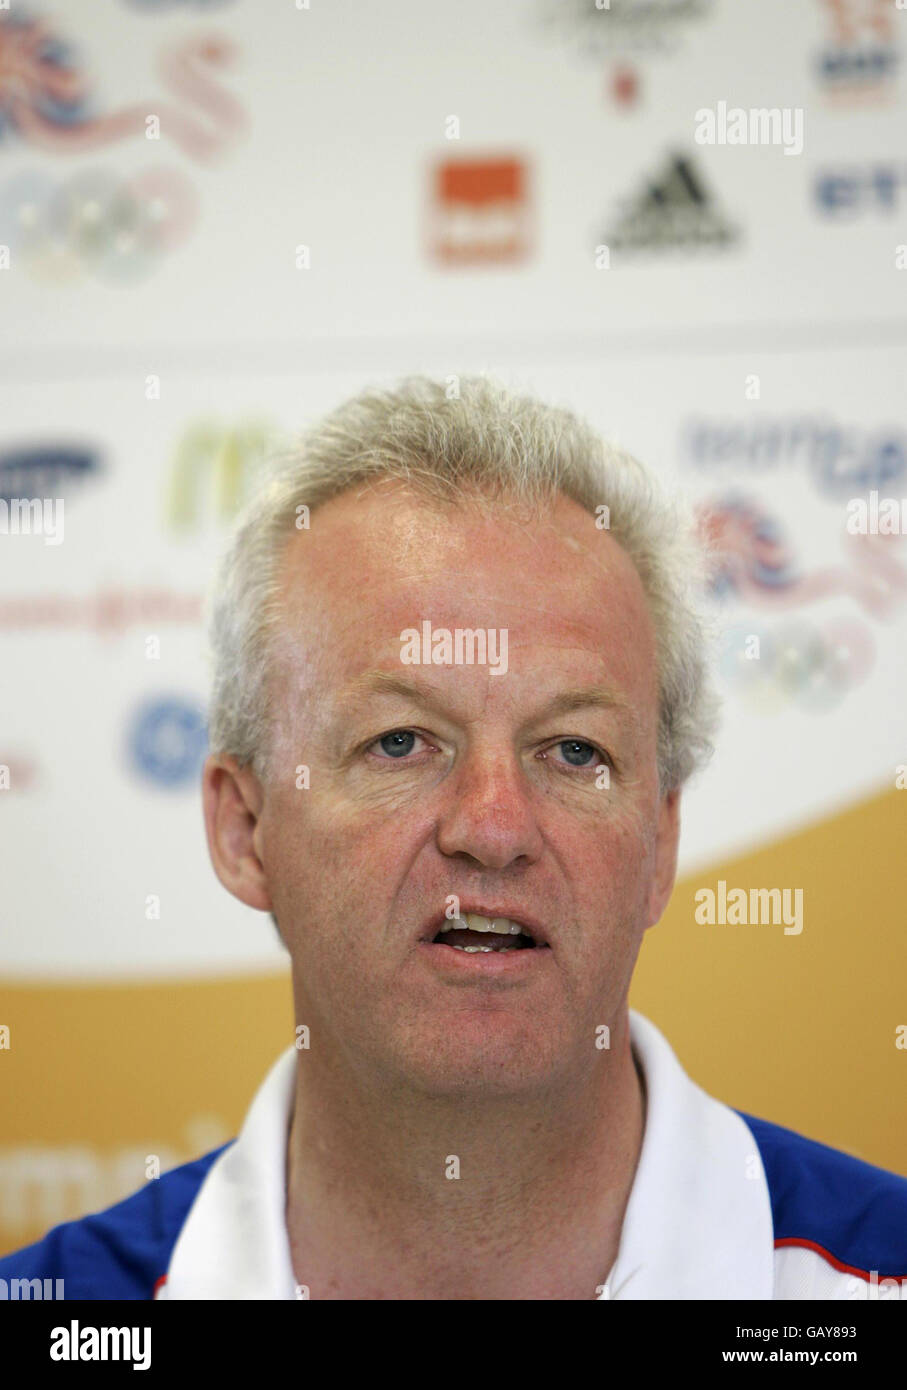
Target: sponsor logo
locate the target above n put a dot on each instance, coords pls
(805, 665)
(751, 558)
(212, 470)
(674, 210)
(44, 470)
(96, 223)
(45, 97)
(109, 612)
(604, 28)
(101, 223)
(41, 85)
(747, 546)
(479, 211)
(847, 192)
(809, 664)
(841, 460)
(861, 58)
(167, 741)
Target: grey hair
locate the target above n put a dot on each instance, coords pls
(471, 437)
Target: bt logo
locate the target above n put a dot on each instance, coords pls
(861, 188)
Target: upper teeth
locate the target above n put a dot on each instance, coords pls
(474, 921)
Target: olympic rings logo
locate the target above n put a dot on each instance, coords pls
(95, 224)
(809, 665)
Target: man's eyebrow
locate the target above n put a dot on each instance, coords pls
(389, 683)
(598, 696)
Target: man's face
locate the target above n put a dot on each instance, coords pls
(481, 793)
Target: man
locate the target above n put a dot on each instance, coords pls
(460, 681)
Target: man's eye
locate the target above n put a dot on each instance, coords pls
(578, 753)
(396, 744)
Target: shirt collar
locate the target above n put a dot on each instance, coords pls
(698, 1222)
(234, 1243)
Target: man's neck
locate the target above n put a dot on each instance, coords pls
(392, 1195)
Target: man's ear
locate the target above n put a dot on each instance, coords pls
(232, 799)
(666, 842)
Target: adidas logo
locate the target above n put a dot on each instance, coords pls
(674, 210)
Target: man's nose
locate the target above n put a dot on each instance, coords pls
(489, 812)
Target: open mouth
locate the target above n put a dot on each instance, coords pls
(476, 934)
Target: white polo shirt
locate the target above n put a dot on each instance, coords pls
(698, 1224)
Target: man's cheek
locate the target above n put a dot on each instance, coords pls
(621, 899)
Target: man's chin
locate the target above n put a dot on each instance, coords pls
(483, 1057)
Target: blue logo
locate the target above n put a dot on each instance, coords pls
(43, 470)
(847, 192)
(168, 739)
(840, 460)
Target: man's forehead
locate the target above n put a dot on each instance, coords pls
(396, 540)
(397, 513)
(381, 564)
